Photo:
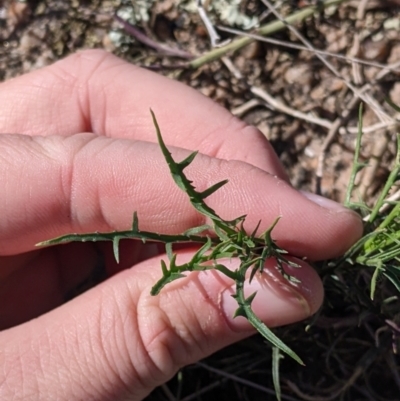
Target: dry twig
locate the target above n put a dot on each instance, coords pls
(166, 50)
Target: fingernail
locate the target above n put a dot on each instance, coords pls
(327, 203)
(276, 303)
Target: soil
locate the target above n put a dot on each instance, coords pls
(311, 120)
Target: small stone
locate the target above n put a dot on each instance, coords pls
(299, 74)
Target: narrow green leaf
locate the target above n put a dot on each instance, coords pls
(164, 269)
(393, 177)
(172, 264)
(224, 255)
(267, 234)
(181, 180)
(201, 207)
(254, 233)
(142, 235)
(116, 240)
(212, 189)
(164, 281)
(356, 167)
(75, 237)
(184, 163)
(394, 268)
(198, 230)
(374, 279)
(248, 242)
(135, 222)
(240, 312)
(245, 308)
(393, 278)
(200, 253)
(223, 269)
(237, 221)
(270, 336)
(222, 235)
(260, 263)
(168, 250)
(276, 357)
(256, 268)
(250, 298)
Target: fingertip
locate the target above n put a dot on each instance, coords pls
(278, 301)
(348, 221)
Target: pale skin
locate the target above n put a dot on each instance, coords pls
(78, 153)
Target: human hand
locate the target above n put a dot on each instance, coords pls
(79, 154)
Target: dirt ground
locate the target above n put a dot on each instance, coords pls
(36, 33)
(304, 101)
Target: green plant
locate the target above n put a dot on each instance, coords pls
(357, 331)
(231, 241)
(379, 248)
(377, 254)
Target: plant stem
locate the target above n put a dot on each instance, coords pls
(389, 183)
(356, 165)
(265, 30)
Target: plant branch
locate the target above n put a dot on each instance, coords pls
(232, 242)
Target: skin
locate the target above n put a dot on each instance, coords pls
(78, 153)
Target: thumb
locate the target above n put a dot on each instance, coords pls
(117, 342)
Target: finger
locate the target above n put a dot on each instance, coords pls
(86, 183)
(40, 281)
(94, 91)
(118, 342)
(36, 282)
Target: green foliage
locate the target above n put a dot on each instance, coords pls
(231, 241)
(374, 260)
(379, 248)
(276, 357)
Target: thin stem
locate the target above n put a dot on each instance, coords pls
(128, 234)
(265, 30)
(389, 183)
(356, 165)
